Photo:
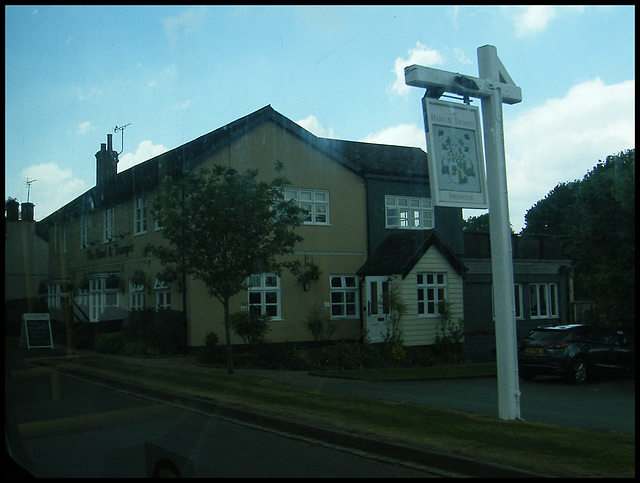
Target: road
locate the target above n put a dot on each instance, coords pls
(71, 428)
(607, 405)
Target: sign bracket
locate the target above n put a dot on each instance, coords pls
(494, 87)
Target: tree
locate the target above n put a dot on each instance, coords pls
(597, 216)
(555, 213)
(479, 223)
(222, 227)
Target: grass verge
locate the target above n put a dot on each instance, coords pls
(545, 449)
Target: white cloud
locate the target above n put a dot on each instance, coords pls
(182, 106)
(188, 22)
(533, 19)
(561, 140)
(311, 124)
(84, 127)
(145, 151)
(54, 187)
(419, 55)
(400, 135)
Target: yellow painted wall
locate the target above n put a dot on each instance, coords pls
(339, 248)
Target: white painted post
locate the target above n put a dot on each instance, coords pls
(494, 87)
(491, 69)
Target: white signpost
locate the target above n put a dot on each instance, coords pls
(494, 87)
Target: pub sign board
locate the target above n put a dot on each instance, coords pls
(455, 156)
(36, 331)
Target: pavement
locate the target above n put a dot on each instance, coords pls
(451, 465)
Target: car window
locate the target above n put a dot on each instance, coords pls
(549, 335)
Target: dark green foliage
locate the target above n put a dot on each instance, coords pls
(149, 332)
(222, 227)
(110, 343)
(209, 352)
(251, 326)
(320, 324)
(597, 216)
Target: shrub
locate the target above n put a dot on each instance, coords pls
(168, 332)
(252, 327)
(154, 333)
(320, 324)
(209, 352)
(84, 335)
(110, 343)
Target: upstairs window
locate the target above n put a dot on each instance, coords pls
(139, 215)
(85, 224)
(408, 213)
(314, 202)
(108, 225)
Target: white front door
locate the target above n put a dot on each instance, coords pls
(377, 289)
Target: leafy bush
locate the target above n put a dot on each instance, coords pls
(209, 352)
(110, 343)
(153, 333)
(251, 326)
(84, 335)
(169, 331)
(320, 324)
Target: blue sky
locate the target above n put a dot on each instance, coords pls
(175, 73)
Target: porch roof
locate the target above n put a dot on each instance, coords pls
(399, 253)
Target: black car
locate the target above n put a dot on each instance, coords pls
(576, 352)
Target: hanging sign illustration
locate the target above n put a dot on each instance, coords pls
(454, 148)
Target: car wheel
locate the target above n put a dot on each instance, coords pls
(579, 371)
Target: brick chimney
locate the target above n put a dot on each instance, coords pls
(106, 162)
(27, 212)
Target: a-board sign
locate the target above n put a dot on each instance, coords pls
(36, 331)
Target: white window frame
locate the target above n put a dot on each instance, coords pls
(139, 215)
(518, 300)
(85, 224)
(431, 290)
(543, 300)
(108, 224)
(53, 295)
(264, 293)
(99, 297)
(65, 229)
(163, 294)
(408, 213)
(315, 202)
(344, 296)
(136, 297)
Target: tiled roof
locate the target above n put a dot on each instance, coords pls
(384, 159)
(362, 158)
(399, 252)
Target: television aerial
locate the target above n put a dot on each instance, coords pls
(121, 129)
(27, 183)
